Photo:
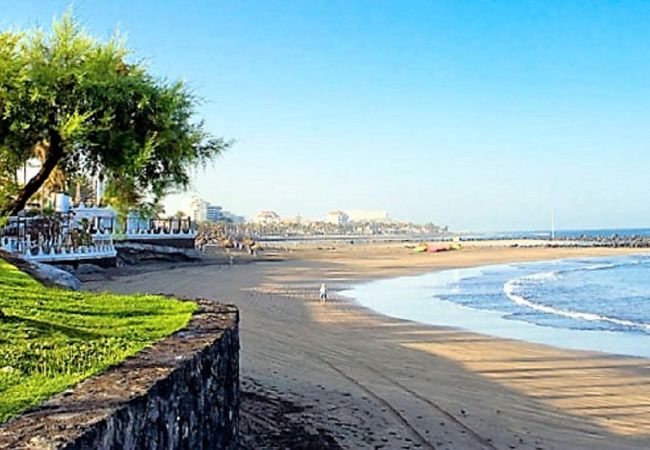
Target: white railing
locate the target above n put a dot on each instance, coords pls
(55, 242)
(56, 251)
(99, 216)
(155, 229)
(159, 234)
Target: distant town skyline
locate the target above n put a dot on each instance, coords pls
(197, 207)
(480, 115)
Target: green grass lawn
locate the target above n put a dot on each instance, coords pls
(51, 338)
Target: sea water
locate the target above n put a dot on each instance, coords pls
(563, 234)
(599, 304)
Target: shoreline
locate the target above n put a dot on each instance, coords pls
(369, 381)
(429, 309)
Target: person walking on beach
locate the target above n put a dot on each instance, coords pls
(323, 293)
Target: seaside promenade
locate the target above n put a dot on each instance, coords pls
(349, 378)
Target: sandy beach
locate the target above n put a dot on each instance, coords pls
(340, 376)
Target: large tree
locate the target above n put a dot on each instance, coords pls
(88, 107)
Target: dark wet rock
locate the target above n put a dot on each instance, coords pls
(132, 253)
(88, 269)
(45, 273)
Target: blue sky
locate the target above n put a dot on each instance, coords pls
(480, 115)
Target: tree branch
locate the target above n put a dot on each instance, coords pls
(53, 156)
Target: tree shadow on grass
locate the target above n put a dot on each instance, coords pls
(47, 329)
(109, 314)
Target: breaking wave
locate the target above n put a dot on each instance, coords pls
(512, 289)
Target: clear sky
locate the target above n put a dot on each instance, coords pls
(484, 115)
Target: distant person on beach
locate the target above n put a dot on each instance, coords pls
(201, 242)
(323, 293)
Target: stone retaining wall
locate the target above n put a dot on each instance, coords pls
(182, 393)
(178, 242)
(133, 253)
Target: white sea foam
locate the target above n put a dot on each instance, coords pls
(544, 276)
(590, 268)
(510, 289)
(602, 266)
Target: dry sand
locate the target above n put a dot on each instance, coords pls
(340, 376)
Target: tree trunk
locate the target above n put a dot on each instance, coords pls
(53, 156)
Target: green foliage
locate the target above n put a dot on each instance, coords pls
(8, 189)
(106, 112)
(51, 338)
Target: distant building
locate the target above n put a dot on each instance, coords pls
(199, 209)
(337, 218)
(268, 217)
(214, 213)
(361, 215)
(232, 218)
(202, 211)
(295, 220)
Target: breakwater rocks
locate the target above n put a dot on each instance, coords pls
(182, 393)
(602, 241)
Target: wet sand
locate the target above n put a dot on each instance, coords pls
(340, 376)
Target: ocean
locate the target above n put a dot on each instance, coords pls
(562, 234)
(599, 304)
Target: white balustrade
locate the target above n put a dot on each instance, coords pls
(58, 250)
(53, 252)
(150, 234)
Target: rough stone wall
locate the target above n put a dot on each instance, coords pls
(133, 253)
(183, 242)
(183, 393)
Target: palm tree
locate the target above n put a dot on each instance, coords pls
(80, 188)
